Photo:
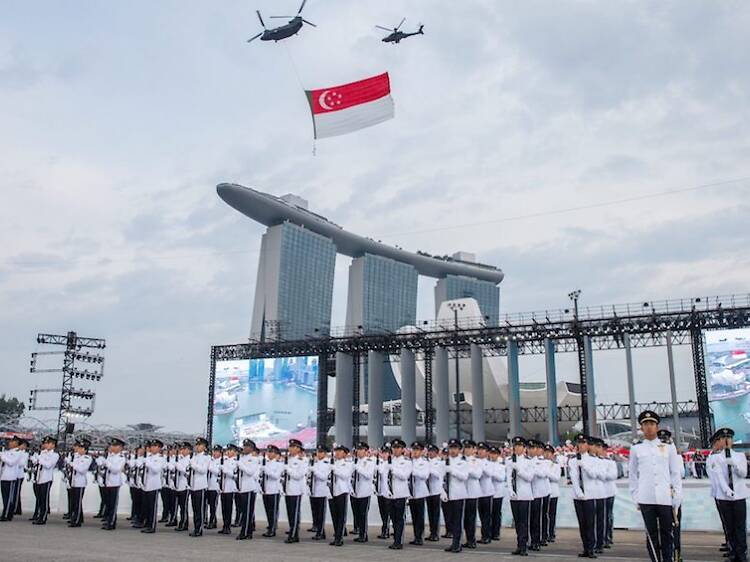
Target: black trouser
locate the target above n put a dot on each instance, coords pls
(337, 504)
(545, 519)
(150, 505)
(226, 510)
(198, 498)
(521, 510)
(385, 513)
(454, 521)
(360, 508)
(609, 505)
(497, 518)
(19, 481)
(734, 515)
(318, 511)
(41, 509)
(293, 510)
(601, 523)
(212, 501)
(8, 489)
(535, 522)
(723, 523)
(102, 503)
(246, 504)
(398, 517)
(111, 495)
(585, 515)
(470, 520)
(166, 504)
(76, 508)
(552, 528)
(136, 509)
(416, 508)
(271, 504)
(433, 515)
(677, 535)
(181, 511)
(484, 506)
(658, 522)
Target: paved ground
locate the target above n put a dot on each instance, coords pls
(20, 541)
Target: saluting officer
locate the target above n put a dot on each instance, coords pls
(434, 487)
(454, 493)
(318, 477)
(520, 473)
(111, 467)
(248, 469)
(583, 474)
(45, 464)
(339, 485)
(362, 488)
(294, 474)
(80, 467)
(269, 479)
(655, 486)
(730, 471)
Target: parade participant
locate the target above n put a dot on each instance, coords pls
(111, 468)
(172, 481)
(198, 483)
(381, 490)
(454, 493)
(269, 482)
(153, 466)
(167, 485)
(712, 458)
(419, 492)
(248, 470)
(318, 476)
(45, 463)
(362, 489)
(610, 491)
(212, 489)
(583, 473)
(399, 476)
(21, 467)
(9, 461)
(181, 486)
(554, 475)
(655, 486)
(80, 469)
(473, 492)
(435, 486)
(540, 491)
(293, 483)
(228, 487)
(730, 471)
(520, 474)
(134, 463)
(500, 487)
(339, 485)
(665, 436)
(101, 484)
(484, 504)
(598, 493)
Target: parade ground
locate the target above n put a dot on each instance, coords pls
(22, 542)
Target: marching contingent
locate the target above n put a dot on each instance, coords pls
(464, 483)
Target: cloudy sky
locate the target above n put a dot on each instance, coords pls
(591, 145)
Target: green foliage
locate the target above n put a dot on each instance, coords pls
(11, 407)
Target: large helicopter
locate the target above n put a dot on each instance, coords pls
(395, 35)
(283, 31)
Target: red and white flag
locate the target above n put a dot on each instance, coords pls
(349, 107)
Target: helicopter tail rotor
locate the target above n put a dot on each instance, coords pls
(421, 29)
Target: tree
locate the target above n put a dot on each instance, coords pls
(11, 407)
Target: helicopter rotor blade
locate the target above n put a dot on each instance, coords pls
(309, 22)
(399, 25)
(301, 7)
(261, 19)
(282, 17)
(254, 38)
(388, 29)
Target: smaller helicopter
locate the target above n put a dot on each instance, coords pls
(283, 31)
(395, 36)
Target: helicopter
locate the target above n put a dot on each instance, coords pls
(395, 35)
(283, 31)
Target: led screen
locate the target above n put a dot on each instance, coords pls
(728, 366)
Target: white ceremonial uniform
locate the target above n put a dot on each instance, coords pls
(47, 460)
(9, 460)
(540, 482)
(229, 482)
(382, 488)
(400, 470)
(249, 468)
(214, 469)
(114, 465)
(80, 464)
(473, 485)
(271, 475)
(553, 476)
(524, 477)
(437, 473)
(499, 479)
(181, 465)
(456, 476)
(721, 465)
(152, 478)
(363, 473)
(485, 481)
(320, 470)
(296, 469)
(199, 464)
(655, 477)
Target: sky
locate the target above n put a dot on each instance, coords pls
(575, 144)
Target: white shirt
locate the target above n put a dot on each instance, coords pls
(181, 466)
(154, 465)
(214, 469)
(583, 475)
(456, 475)
(10, 460)
(249, 469)
(46, 462)
(362, 477)
(113, 464)
(381, 478)
(420, 473)
(80, 465)
(610, 477)
(320, 471)
(485, 481)
(738, 465)
(437, 473)
(342, 473)
(522, 472)
(499, 479)
(228, 479)
(270, 475)
(400, 470)
(655, 476)
(22, 464)
(295, 470)
(475, 468)
(553, 476)
(540, 483)
(199, 465)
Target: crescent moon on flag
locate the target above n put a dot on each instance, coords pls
(322, 100)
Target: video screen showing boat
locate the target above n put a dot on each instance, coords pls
(267, 400)
(728, 367)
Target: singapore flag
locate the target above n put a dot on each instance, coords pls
(342, 109)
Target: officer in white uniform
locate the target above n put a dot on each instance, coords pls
(500, 490)
(44, 470)
(473, 493)
(362, 488)
(484, 503)
(599, 493)
(540, 490)
(610, 491)
(520, 474)
(23, 464)
(80, 466)
(553, 476)
(111, 468)
(419, 492)
(269, 481)
(339, 486)
(583, 476)
(228, 487)
(729, 469)
(293, 477)
(434, 488)
(212, 490)
(198, 483)
(318, 476)
(711, 460)
(248, 471)
(9, 461)
(655, 486)
(381, 490)
(454, 493)
(399, 477)
(153, 466)
(170, 475)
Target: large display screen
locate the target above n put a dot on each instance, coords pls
(728, 366)
(267, 400)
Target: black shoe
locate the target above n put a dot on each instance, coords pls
(471, 545)
(417, 542)
(171, 524)
(312, 530)
(108, 528)
(598, 550)
(98, 516)
(395, 546)
(148, 531)
(180, 529)
(433, 538)
(451, 549)
(517, 552)
(534, 547)
(196, 533)
(268, 534)
(224, 531)
(35, 522)
(724, 548)
(242, 537)
(497, 538)
(484, 541)
(291, 540)
(163, 520)
(447, 536)
(138, 526)
(382, 536)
